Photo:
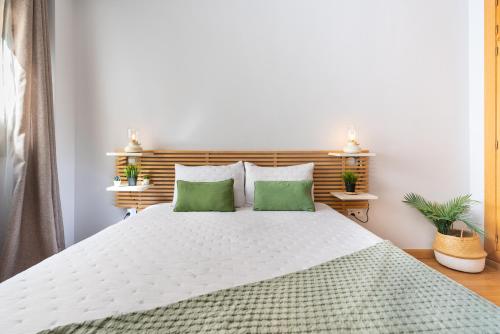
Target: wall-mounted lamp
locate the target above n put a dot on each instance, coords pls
(133, 142)
(352, 145)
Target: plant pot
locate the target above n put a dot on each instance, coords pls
(461, 251)
(145, 182)
(117, 183)
(350, 187)
(132, 181)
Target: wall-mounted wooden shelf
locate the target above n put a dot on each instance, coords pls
(138, 188)
(354, 197)
(127, 154)
(351, 155)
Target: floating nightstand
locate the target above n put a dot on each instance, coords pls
(351, 155)
(124, 188)
(138, 188)
(351, 205)
(354, 197)
(131, 156)
(351, 159)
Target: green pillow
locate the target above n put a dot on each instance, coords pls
(205, 196)
(283, 196)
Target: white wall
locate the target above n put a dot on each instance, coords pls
(63, 58)
(278, 74)
(476, 104)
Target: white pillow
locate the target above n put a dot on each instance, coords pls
(214, 173)
(290, 173)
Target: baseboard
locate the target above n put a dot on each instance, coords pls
(429, 254)
(421, 253)
(492, 264)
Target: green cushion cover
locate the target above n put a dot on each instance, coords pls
(205, 196)
(283, 196)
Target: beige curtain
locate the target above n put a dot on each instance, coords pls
(32, 225)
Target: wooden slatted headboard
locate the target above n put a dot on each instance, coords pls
(159, 164)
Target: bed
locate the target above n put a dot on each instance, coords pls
(246, 271)
(161, 258)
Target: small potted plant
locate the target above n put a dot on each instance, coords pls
(453, 248)
(146, 180)
(117, 181)
(350, 180)
(131, 171)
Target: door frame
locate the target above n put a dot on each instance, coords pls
(491, 137)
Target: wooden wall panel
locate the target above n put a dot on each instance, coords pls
(491, 131)
(160, 165)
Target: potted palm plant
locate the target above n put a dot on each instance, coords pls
(453, 247)
(350, 180)
(131, 171)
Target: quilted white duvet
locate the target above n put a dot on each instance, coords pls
(160, 257)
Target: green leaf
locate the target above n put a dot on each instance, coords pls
(443, 215)
(349, 177)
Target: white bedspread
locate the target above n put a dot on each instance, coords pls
(160, 257)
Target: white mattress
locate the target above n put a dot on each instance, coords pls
(160, 257)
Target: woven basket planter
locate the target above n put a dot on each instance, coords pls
(463, 252)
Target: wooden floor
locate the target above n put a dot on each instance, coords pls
(486, 284)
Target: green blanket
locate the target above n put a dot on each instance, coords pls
(377, 290)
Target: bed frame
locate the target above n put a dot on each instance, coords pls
(159, 164)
